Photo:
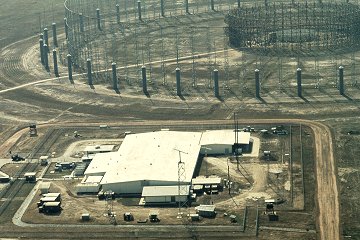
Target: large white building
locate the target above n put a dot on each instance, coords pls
(151, 159)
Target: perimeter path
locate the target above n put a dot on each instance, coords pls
(328, 218)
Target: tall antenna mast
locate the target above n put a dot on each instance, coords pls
(236, 132)
(237, 144)
(181, 179)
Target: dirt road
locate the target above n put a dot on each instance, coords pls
(327, 190)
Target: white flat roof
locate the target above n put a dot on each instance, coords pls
(51, 195)
(45, 185)
(223, 137)
(49, 199)
(93, 179)
(155, 191)
(99, 148)
(206, 180)
(206, 208)
(29, 174)
(154, 156)
(102, 162)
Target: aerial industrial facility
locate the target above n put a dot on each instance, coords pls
(124, 108)
(151, 159)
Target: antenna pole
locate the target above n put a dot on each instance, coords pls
(228, 173)
(181, 179)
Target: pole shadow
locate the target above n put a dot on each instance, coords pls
(181, 97)
(261, 100)
(347, 97)
(147, 94)
(220, 98)
(304, 99)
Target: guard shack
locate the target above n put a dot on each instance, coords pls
(30, 176)
(44, 160)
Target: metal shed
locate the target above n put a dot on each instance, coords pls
(165, 194)
(206, 210)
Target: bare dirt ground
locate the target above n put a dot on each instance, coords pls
(321, 181)
(251, 186)
(74, 206)
(58, 102)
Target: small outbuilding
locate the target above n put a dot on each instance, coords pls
(30, 176)
(50, 207)
(56, 195)
(49, 199)
(44, 160)
(206, 211)
(85, 217)
(203, 183)
(44, 187)
(217, 142)
(165, 194)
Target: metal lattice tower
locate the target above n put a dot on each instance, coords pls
(108, 203)
(181, 179)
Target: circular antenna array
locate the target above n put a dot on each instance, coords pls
(294, 28)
